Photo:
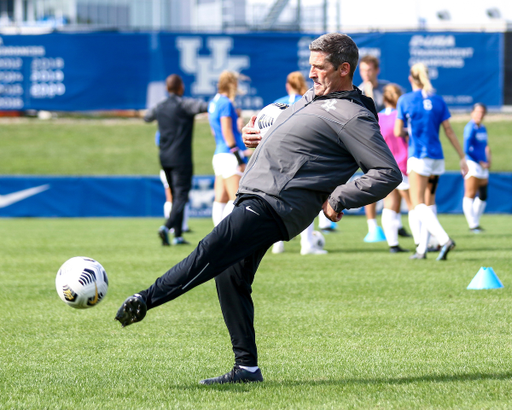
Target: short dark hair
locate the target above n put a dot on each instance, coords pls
(339, 48)
(369, 59)
(174, 83)
(479, 104)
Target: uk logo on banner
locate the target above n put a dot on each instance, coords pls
(207, 68)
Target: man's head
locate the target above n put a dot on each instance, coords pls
(369, 68)
(175, 85)
(333, 61)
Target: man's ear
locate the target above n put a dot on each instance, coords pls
(344, 69)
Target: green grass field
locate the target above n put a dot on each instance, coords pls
(358, 328)
(127, 147)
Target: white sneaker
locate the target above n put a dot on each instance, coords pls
(312, 250)
(278, 247)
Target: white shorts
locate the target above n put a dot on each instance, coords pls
(225, 165)
(425, 166)
(163, 178)
(404, 186)
(476, 170)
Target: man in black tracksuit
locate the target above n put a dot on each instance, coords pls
(175, 117)
(302, 165)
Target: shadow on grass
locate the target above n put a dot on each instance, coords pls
(448, 378)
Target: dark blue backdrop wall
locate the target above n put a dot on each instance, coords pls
(103, 71)
(47, 196)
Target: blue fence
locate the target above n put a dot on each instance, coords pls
(46, 196)
(105, 71)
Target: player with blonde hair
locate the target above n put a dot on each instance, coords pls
(423, 112)
(228, 160)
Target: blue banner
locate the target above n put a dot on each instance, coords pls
(46, 196)
(110, 71)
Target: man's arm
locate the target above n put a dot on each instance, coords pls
(362, 139)
(150, 115)
(194, 106)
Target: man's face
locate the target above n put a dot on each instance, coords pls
(368, 72)
(325, 78)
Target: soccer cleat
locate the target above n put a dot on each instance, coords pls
(418, 256)
(132, 310)
(445, 249)
(403, 233)
(397, 249)
(237, 375)
(478, 229)
(163, 233)
(312, 250)
(180, 241)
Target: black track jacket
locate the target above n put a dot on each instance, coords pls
(312, 150)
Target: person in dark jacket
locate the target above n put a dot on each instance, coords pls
(302, 165)
(175, 117)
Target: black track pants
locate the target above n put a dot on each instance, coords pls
(231, 253)
(180, 183)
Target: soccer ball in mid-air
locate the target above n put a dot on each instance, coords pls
(267, 116)
(81, 282)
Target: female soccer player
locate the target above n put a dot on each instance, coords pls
(398, 147)
(478, 157)
(423, 112)
(228, 160)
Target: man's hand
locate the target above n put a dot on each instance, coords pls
(331, 213)
(250, 134)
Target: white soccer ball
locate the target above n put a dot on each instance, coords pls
(267, 116)
(81, 282)
(318, 239)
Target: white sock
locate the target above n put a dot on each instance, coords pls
(433, 208)
(228, 209)
(251, 369)
(415, 225)
(478, 209)
(430, 224)
(372, 224)
(469, 213)
(398, 218)
(323, 221)
(217, 211)
(167, 209)
(186, 211)
(306, 237)
(390, 226)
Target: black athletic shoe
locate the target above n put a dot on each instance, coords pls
(478, 229)
(237, 375)
(418, 256)
(403, 233)
(434, 248)
(133, 310)
(445, 249)
(163, 233)
(397, 249)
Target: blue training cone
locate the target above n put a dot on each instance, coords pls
(376, 235)
(485, 279)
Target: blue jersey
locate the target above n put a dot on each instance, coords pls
(221, 106)
(475, 142)
(423, 115)
(288, 99)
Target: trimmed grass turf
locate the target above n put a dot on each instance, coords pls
(357, 328)
(127, 147)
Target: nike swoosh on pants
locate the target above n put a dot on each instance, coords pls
(12, 198)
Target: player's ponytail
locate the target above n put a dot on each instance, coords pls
(419, 74)
(228, 84)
